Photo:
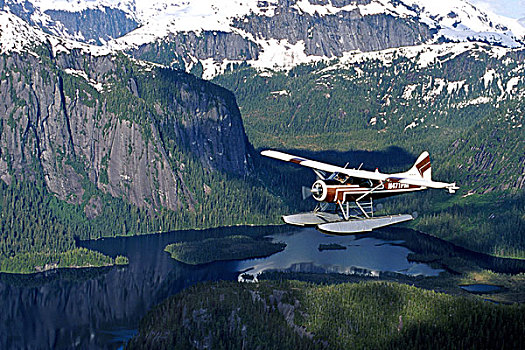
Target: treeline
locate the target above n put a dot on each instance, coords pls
(298, 315)
(33, 220)
(236, 247)
(367, 106)
(491, 223)
(39, 261)
(390, 315)
(217, 316)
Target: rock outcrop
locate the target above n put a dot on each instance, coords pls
(321, 35)
(127, 128)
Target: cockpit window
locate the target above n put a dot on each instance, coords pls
(342, 178)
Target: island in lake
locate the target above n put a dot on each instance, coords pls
(331, 246)
(236, 247)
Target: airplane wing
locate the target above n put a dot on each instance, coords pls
(362, 174)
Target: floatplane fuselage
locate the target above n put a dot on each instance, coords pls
(346, 196)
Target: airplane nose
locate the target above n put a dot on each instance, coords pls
(318, 190)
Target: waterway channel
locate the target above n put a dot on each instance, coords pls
(101, 308)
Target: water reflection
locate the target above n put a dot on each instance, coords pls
(100, 308)
(363, 255)
(59, 311)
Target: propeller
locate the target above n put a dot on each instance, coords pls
(307, 192)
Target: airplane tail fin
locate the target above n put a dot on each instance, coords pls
(421, 168)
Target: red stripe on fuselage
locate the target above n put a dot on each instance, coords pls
(346, 193)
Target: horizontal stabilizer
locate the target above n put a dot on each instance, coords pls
(362, 225)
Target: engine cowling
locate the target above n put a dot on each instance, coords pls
(319, 190)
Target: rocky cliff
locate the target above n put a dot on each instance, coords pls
(206, 36)
(289, 32)
(90, 25)
(128, 128)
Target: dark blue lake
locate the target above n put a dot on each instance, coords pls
(481, 288)
(101, 308)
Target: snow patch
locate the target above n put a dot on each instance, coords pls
(436, 91)
(304, 6)
(16, 35)
(409, 89)
(82, 74)
(212, 68)
(477, 101)
(410, 126)
(455, 86)
(511, 84)
(281, 55)
(488, 77)
(280, 93)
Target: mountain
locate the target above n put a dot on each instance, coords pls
(208, 37)
(390, 78)
(61, 107)
(424, 97)
(95, 143)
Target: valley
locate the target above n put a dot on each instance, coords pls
(136, 209)
(102, 307)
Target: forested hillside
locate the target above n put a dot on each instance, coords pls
(462, 102)
(98, 146)
(297, 315)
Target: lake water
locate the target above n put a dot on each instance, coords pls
(481, 288)
(101, 308)
(363, 255)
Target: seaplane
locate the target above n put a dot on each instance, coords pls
(346, 196)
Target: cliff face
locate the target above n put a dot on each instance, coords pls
(321, 35)
(331, 35)
(92, 25)
(128, 129)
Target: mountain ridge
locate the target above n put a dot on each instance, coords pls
(186, 35)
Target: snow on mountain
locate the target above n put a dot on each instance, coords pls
(460, 20)
(159, 20)
(16, 35)
(453, 19)
(425, 54)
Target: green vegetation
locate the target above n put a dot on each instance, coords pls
(298, 315)
(216, 316)
(34, 220)
(225, 248)
(473, 131)
(491, 223)
(121, 260)
(331, 246)
(38, 262)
